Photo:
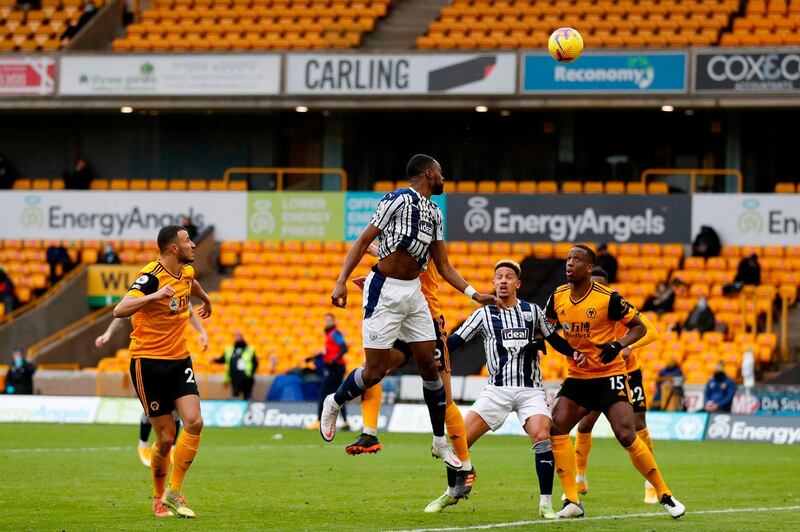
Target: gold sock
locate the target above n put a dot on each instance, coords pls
(185, 451)
(583, 445)
(644, 462)
(454, 422)
(159, 467)
(565, 465)
(644, 435)
(371, 406)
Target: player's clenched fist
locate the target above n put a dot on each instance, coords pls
(165, 293)
(339, 295)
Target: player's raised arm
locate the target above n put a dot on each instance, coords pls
(354, 256)
(438, 252)
(142, 292)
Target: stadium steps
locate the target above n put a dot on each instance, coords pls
(99, 31)
(407, 20)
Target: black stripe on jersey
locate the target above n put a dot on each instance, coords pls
(602, 289)
(561, 288)
(528, 362)
(170, 273)
(502, 353)
(157, 269)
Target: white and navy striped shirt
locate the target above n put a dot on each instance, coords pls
(505, 333)
(409, 221)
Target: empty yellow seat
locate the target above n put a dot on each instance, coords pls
(548, 187)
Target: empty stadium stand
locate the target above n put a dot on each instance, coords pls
(135, 184)
(766, 23)
(488, 24)
(537, 187)
(202, 25)
(39, 29)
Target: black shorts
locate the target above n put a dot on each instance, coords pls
(159, 382)
(638, 398)
(596, 394)
(441, 353)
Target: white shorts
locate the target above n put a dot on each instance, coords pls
(495, 403)
(394, 310)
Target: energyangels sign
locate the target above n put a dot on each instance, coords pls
(118, 215)
(344, 74)
(750, 219)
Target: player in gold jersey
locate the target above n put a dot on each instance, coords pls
(588, 313)
(460, 481)
(583, 437)
(161, 369)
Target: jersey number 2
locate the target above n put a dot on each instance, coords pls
(618, 382)
(189, 372)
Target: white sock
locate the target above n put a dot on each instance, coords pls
(466, 465)
(439, 441)
(451, 492)
(580, 478)
(142, 443)
(546, 499)
(372, 431)
(647, 484)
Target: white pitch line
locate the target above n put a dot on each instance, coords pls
(130, 447)
(599, 518)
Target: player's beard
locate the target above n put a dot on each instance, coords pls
(438, 189)
(186, 259)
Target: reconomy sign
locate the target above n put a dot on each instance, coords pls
(607, 73)
(170, 75)
(755, 71)
(341, 74)
(118, 215)
(749, 219)
(568, 218)
(781, 430)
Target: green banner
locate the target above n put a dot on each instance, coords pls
(295, 216)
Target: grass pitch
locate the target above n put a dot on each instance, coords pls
(88, 477)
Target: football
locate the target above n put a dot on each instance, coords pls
(565, 45)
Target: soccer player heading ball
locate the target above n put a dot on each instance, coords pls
(409, 225)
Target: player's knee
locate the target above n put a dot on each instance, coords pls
(193, 424)
(626, 436)
(165, 438)
(639, 422)
(540, 435)
(428, 371)
(371, 377)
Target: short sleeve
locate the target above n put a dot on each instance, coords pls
(189, 270)
(550, 308)
(542, 323)
(387, 207)
(472, 326)
(144, 285)
(619, 309)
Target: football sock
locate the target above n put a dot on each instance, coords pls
(644, 462)
(177, 431)
(352, 387)
(159, 466)
(144, 430)
(371, 407)
(583, 444)
(565, 465)
(185, 451)
(644, 435)
(451, 481)
(545, 465)
(435, 398)
(458, 433)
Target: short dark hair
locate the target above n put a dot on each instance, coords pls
(418, 164)
(167, 235)
(600, 272)
(589, 252)
(508, 263)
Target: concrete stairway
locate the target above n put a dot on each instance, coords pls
(405, 21)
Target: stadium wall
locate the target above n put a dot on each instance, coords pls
(779, 430)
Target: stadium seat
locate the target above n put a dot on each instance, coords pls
(138, 184)
(593, 187)
(572, 187)
(507, 187)
(466, 187)
(615, 187)
(383, 186)
(487, 187)
(657, 188)
(785, 188)
(119, 184)
(100, 184)
(177, 184)
(22, 184)
(158, 184)
(547, 187)
(528, 187)
(635, 188)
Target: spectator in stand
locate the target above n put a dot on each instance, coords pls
(706, 243)
(719, 391)
(109, 256)
(701, 318)
(6, 291)
(669, 387)
(662, 301)
(80, 178)
(334, 366)
(190, 227)
(749, 271)
(19, 379)
(84, 19)
(240, 367)
(607, 261)
(59, 261)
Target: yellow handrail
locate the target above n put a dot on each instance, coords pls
(279, 173)
(53, 290)
(91, 318)
(693, 173)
